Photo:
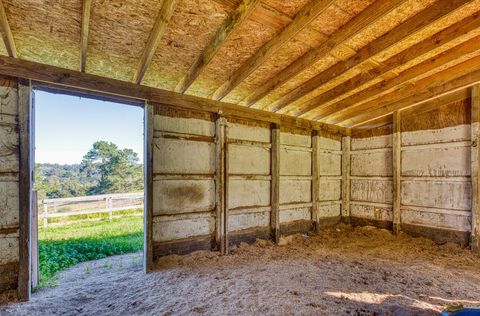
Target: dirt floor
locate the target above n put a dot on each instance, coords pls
(343, 271)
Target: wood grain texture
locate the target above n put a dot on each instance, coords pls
(148, 204)
(7, 33)
(345, 177)
(86, 9)
(396, 165)
(220, 170)
(315, 180)
(475, 156)
(275, 184)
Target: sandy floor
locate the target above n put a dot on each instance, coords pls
(344, 271)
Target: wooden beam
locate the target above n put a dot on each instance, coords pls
(25, 186)
(335, 111)
(315, 180)
(97, 85)
(229, 25)
(346, 179)
(404, 30)
(275, 184)
(303, 18)
(220, 184)
(475, 160)
(397, 166)
(164, 15)
(445, 82)
(454, 32)
(86, 9)
(358, 23)
(7, 32)
(149, 122)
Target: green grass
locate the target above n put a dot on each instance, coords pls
(61, 247)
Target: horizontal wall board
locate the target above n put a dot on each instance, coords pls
(295, 139)
(183, 157)
(181, 228)
(183, 196)
(295, 162)
(9, 248)
(371, 164)
(248, 132)
(295, 191)
(8, 280)
(182, 246)
(443, 162)
(184, 125)
(331, 210)
(9, 140)
(330, 190)
(290, 215)
(439, 194)
(328, 143)
(9, 200)
(380, 191)
(248, 220)
(245, 193)
(371, 212)
(448, 134)
(384, 141)
(330, 164)
(245, 159)
(432, 219)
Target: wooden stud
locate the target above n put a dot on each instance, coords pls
(352, 28)
(315, 179)
(454, 32)
(226, 192)
(404, 30)
(303, 18)
(275, 184)
(231, 23)
(220, 184)
(166, 12)
(148, 174)
(346, 179)
(34, 238)
(86, 9)
(397, 163)
(475, 157)
(7, 32)
(25, 112)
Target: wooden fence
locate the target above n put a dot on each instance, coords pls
(83, 205)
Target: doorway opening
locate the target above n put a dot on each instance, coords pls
(88, 191)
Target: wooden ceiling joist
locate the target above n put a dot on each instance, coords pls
(303, 18)
(435, 103)
(164, 15)
(240, 14)
(86, 9)
(358, 23)
(443, 37)
(335, 112)
(7, 32)
(440, 84)
(408, 28)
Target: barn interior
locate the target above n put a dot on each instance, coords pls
(282, 138)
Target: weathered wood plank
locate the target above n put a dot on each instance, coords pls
(315, 184)
(86, 9)
(148, 198)
(220, 183)
(397, 169)
(275, 184)
(475, 160)
(7, 33)
(345, 178)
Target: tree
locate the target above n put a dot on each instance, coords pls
(117, 170)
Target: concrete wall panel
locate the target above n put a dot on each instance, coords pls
(436, 162)
(249, 133)
(425, 217)
(384, 141)
(330, 189)
(329, 210)
(9, 216)
(9, 248)
(244, 193)
(377, 191)
(9, 139)
(295, 139)
(248, 220)
(329, 144)
(378, 213)
(290, 215)
(166, 229)
(295, 163)
(184, 125)
(295, 191)
(448, 134)
(438, 194)
(330, 164)
(378, 163)
(244, 159)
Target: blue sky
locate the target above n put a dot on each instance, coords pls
(67, 126)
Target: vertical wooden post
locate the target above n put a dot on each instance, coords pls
(220, 184)
(148, 190)
(108, 201)
(226, 190)
(397, 163)
(34, 255)
(315, 180)
(25, 116)
(45, 215)
(346, 179)
(275, 184)
(475, 158)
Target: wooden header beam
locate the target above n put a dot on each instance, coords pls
(231, 23)
(7, 32)
(413, 25)
(100, 85)
(87, 4)
(166, 12)
(306, 15)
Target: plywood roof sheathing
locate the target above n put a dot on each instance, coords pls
(7, 32)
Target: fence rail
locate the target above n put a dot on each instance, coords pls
(84, 205)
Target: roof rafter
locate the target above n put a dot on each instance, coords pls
(303, 18)
(368, 16)
(464, 75)
(343, 107)
(164, 15)
(7, 32)
(443, 37)
(404, 30)
(86, 9)
(230, 24)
